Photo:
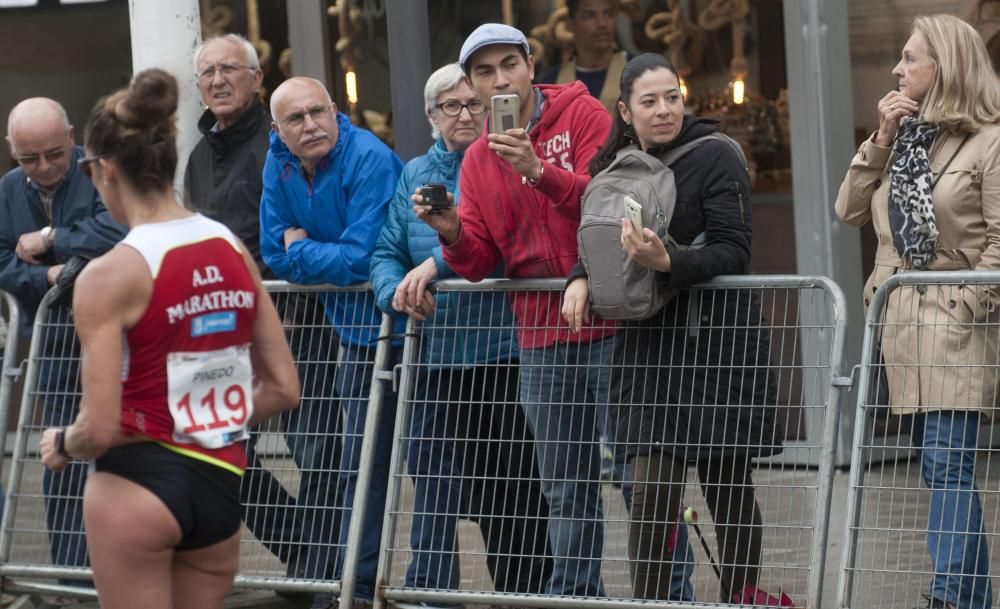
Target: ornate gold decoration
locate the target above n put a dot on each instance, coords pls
(215, 20)
(350, 23)
(720, 12)
(674, 29)
(262, 46)
(554, 32)
(716, 15)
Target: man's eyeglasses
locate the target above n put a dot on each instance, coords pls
(454, 108)
(84, 164)
(51, 156)
(227, 70)
(297, 119)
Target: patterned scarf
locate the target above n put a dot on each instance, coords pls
(911, 209)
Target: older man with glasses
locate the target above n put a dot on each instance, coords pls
(223, 182)
(49, 214)
(327, 186)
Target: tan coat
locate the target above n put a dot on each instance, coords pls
(940, 354)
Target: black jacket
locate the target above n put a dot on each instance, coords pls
(223, 176)
(698, 384)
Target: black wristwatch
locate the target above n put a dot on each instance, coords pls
(61, 443)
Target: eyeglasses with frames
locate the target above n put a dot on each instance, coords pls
(50, 155)
(297, 119)
(454, 108)
(226, 69)
(84, 164)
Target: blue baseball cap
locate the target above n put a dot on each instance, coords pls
(488, 34)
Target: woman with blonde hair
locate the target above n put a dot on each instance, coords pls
(929, 180)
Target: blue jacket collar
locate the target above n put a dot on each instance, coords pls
(446, 160)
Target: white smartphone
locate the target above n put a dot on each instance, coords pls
(505, 110)
(633, 211)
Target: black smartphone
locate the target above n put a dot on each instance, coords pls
(435, 195)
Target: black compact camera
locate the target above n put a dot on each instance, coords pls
(435, 195)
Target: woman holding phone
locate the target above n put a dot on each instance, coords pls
(686, 393)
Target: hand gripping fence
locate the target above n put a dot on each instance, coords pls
(497, 494)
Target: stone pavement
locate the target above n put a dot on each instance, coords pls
(892, 569)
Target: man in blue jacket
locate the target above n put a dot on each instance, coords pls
(49, 213)
(327, 186)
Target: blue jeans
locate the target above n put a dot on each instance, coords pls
(353, 382)
(469, 438)
(562, 387)
(945, 442)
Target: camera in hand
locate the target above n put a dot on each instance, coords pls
(435, 195)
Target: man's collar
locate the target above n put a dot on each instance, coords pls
(42, 190)
(236, 133)
(537, 114)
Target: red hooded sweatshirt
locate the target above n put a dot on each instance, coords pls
(532, 229)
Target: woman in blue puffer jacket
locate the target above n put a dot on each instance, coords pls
(469, 448)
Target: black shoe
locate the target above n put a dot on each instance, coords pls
(934, 603)
(295, 568)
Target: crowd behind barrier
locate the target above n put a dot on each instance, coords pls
(882, 564)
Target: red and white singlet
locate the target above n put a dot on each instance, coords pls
(187, 379)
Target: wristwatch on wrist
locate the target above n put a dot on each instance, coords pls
(46, 233)
(61, 443)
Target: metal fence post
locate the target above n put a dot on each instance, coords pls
(380, 377)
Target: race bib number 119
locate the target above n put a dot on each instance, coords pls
(210, 396)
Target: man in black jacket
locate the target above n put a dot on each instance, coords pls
(50, 213)
(223, 182)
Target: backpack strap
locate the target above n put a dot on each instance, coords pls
(675, 154)
(631, 155)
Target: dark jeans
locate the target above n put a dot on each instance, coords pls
(58, 390)
(353, 383)
(658, 487)
(302, 531)
(468, 435)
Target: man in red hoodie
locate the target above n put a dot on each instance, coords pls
(520, 205)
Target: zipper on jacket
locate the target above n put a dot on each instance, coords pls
(739, 199)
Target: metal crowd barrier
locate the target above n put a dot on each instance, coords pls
(932, 340)
(10, 319)
(455, 427)
(291, 492)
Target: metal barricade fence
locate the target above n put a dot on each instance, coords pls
(495, 469)
(10, 371)
(291, 492)
(931, 342)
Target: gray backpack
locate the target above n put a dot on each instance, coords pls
(619, 287)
